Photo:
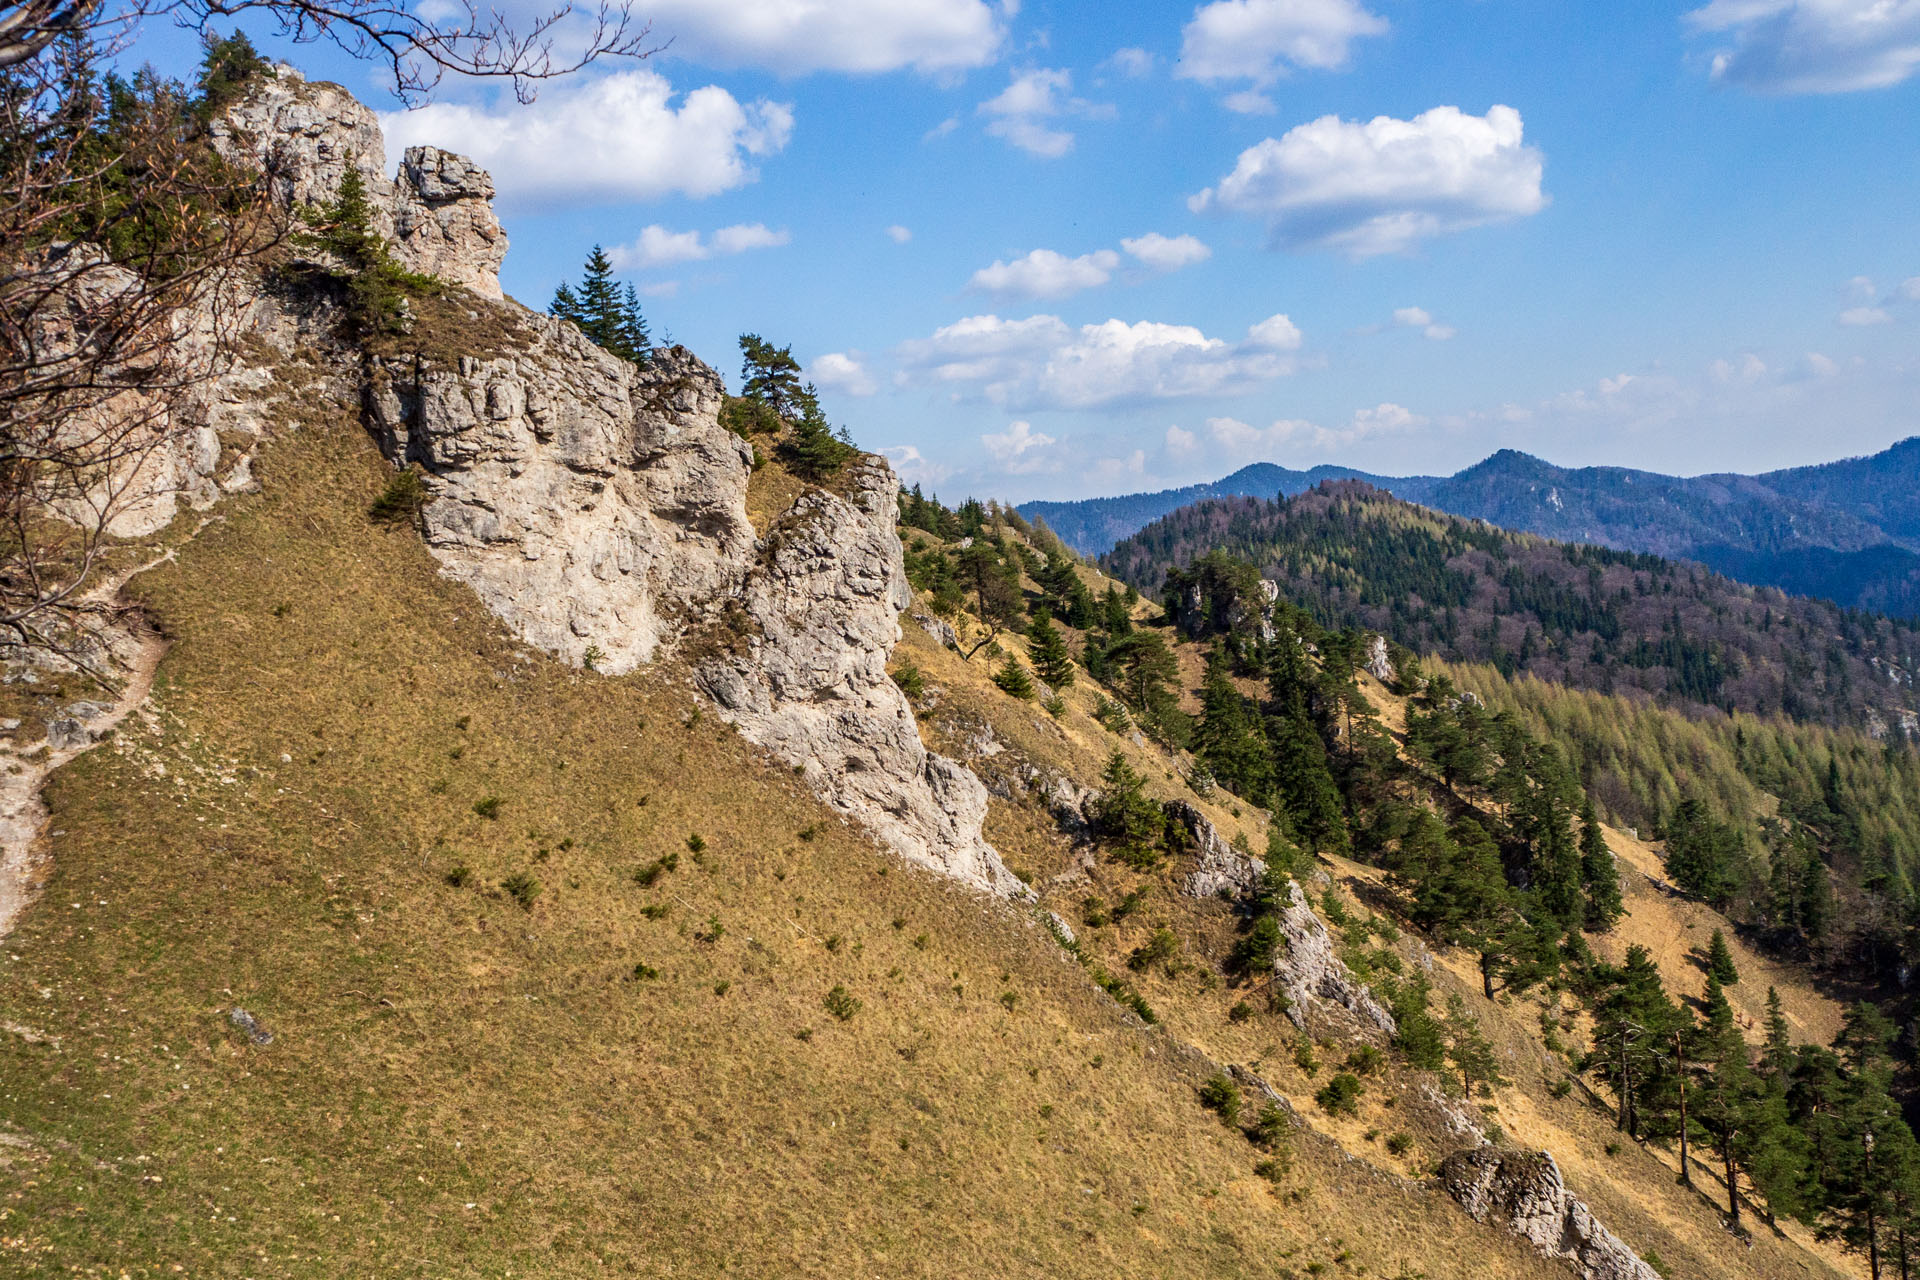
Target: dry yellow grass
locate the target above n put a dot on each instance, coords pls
(622, 1079)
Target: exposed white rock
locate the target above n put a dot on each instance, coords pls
(806, 677)
(1524, 1193)
(593, 505)
(1379, 665)
(1218, 867)
(1309, 967)
(443, 221)
(305, 136)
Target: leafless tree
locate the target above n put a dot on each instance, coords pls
(126, 244)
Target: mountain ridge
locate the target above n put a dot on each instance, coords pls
(1847, 530)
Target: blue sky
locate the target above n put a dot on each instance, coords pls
(1063, 249)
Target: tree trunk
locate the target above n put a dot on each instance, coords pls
(1680, 1073)
(1733, 1182)
(1486, 974)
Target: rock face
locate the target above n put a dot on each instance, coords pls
(1218, 867)
(305, 136)
(594, 506)
(443, 221)
(1309, 967)
(805, 676)
(1379, 665)
(1523, 1192)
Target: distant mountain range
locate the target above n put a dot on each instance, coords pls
(1846, 531)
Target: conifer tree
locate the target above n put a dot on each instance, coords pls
(1599, 876)
(1633, 1024)
(1469, 1052)
(1124, 816)
(1048, 650)
(1776, 1053)
(1013, 679)
(608, 315)
(770, 375)
(811, 448)
(1720, 960)
(1228, 738)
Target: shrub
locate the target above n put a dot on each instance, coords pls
(522, 888)
(1341, 1095)
(1303, 1058)
(655, 911)
(1272, 1124)
(811, 831)
(1222, 1096)
(695, 844)
(1272, 1170)
(714, 930)
(1365, 1060)
(1009, 999)
(1399, 1143)
(401, 500)
(910, 679)
(721, 987)
(1240, 1012)
(1014, 680)
(645, 973)
(488, 807)
(1254, 952)
(461, 876)
(1056, 706)
(841, 1004)
(646, 875)
(1560, 1088)
(1163, 945)
(1112, 716)
(1093, 913)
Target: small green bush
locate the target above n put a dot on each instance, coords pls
(522, 888)
(488, 807)
(655, 911)
(1399, 1143)
(695, 844)
(1240, 1012)
(1014, 680)
(460, 876)
(1163, 945)
(1271, 1126)
(1365, 1060)
(1341, 1095)
(401, 500)
(645, 972)
(1303, 1058)
(1056, 706)
(1009, 999)
(1221, 1096)
(911, 680)
(841, 1003)
(647, 875)
(1272, 1169)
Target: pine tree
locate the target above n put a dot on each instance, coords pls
(1228, 738)
(812, 449)
(1048, 649)
(770, 375)
(1720, 960)
(606, 314)
(1124, 817)
(1599, 876)
(1633, 1025)
(1776, 1054)
(1469, 1051)
(1013, 679)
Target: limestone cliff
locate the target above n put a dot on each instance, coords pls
(1523, 1192)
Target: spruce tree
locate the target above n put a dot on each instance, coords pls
(1599, 875)
(1013, 679)
(606, 314)
(770, 375)
(1124, 817)
(1469, 1052)
(812, 449)
(1048, 649)
(1720, 960)
(1633, 1024)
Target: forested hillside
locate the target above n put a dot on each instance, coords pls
(1581, 616)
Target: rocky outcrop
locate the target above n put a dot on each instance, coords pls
(593, 505)
(1218, 868)
(1309, 967)
(1524, 1193)
(443, 222)
(803, 672)
(1379, 663)
(304, 136)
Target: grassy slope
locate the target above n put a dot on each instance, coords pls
(459, 1087)
(1633, 1190)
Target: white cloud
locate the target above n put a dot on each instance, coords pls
(1043, 363)
(1011, 447)
(1813, 46)
(842, 371)
(1261, 40)
(941, 36)
(913, 467)
(1240, 439)
(1384, 186)
(1249, 102)
(1861, 317)
(659, 247)
(1420, 318)
(899, 234)
(1167, 253)
(1136, 63)
(1046, 274)
(1023, 113)
(1181, 441)
(617, 138)
(1909, 289)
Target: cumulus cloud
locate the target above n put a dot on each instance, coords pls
(842, 371)
(1167, 253)
(1262, 40)
(914, 467)
(1135, 63)
(1244, 440)
(1011, 448)
(899, 234)
(1046, 274)
(1179, 440)
(1041, 362)
(617, 138)
(1812, 46)
(939, 36)
(659, 247)
(1026, 113)
(1385, 185)
(1861, 317)
(1420, 318)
